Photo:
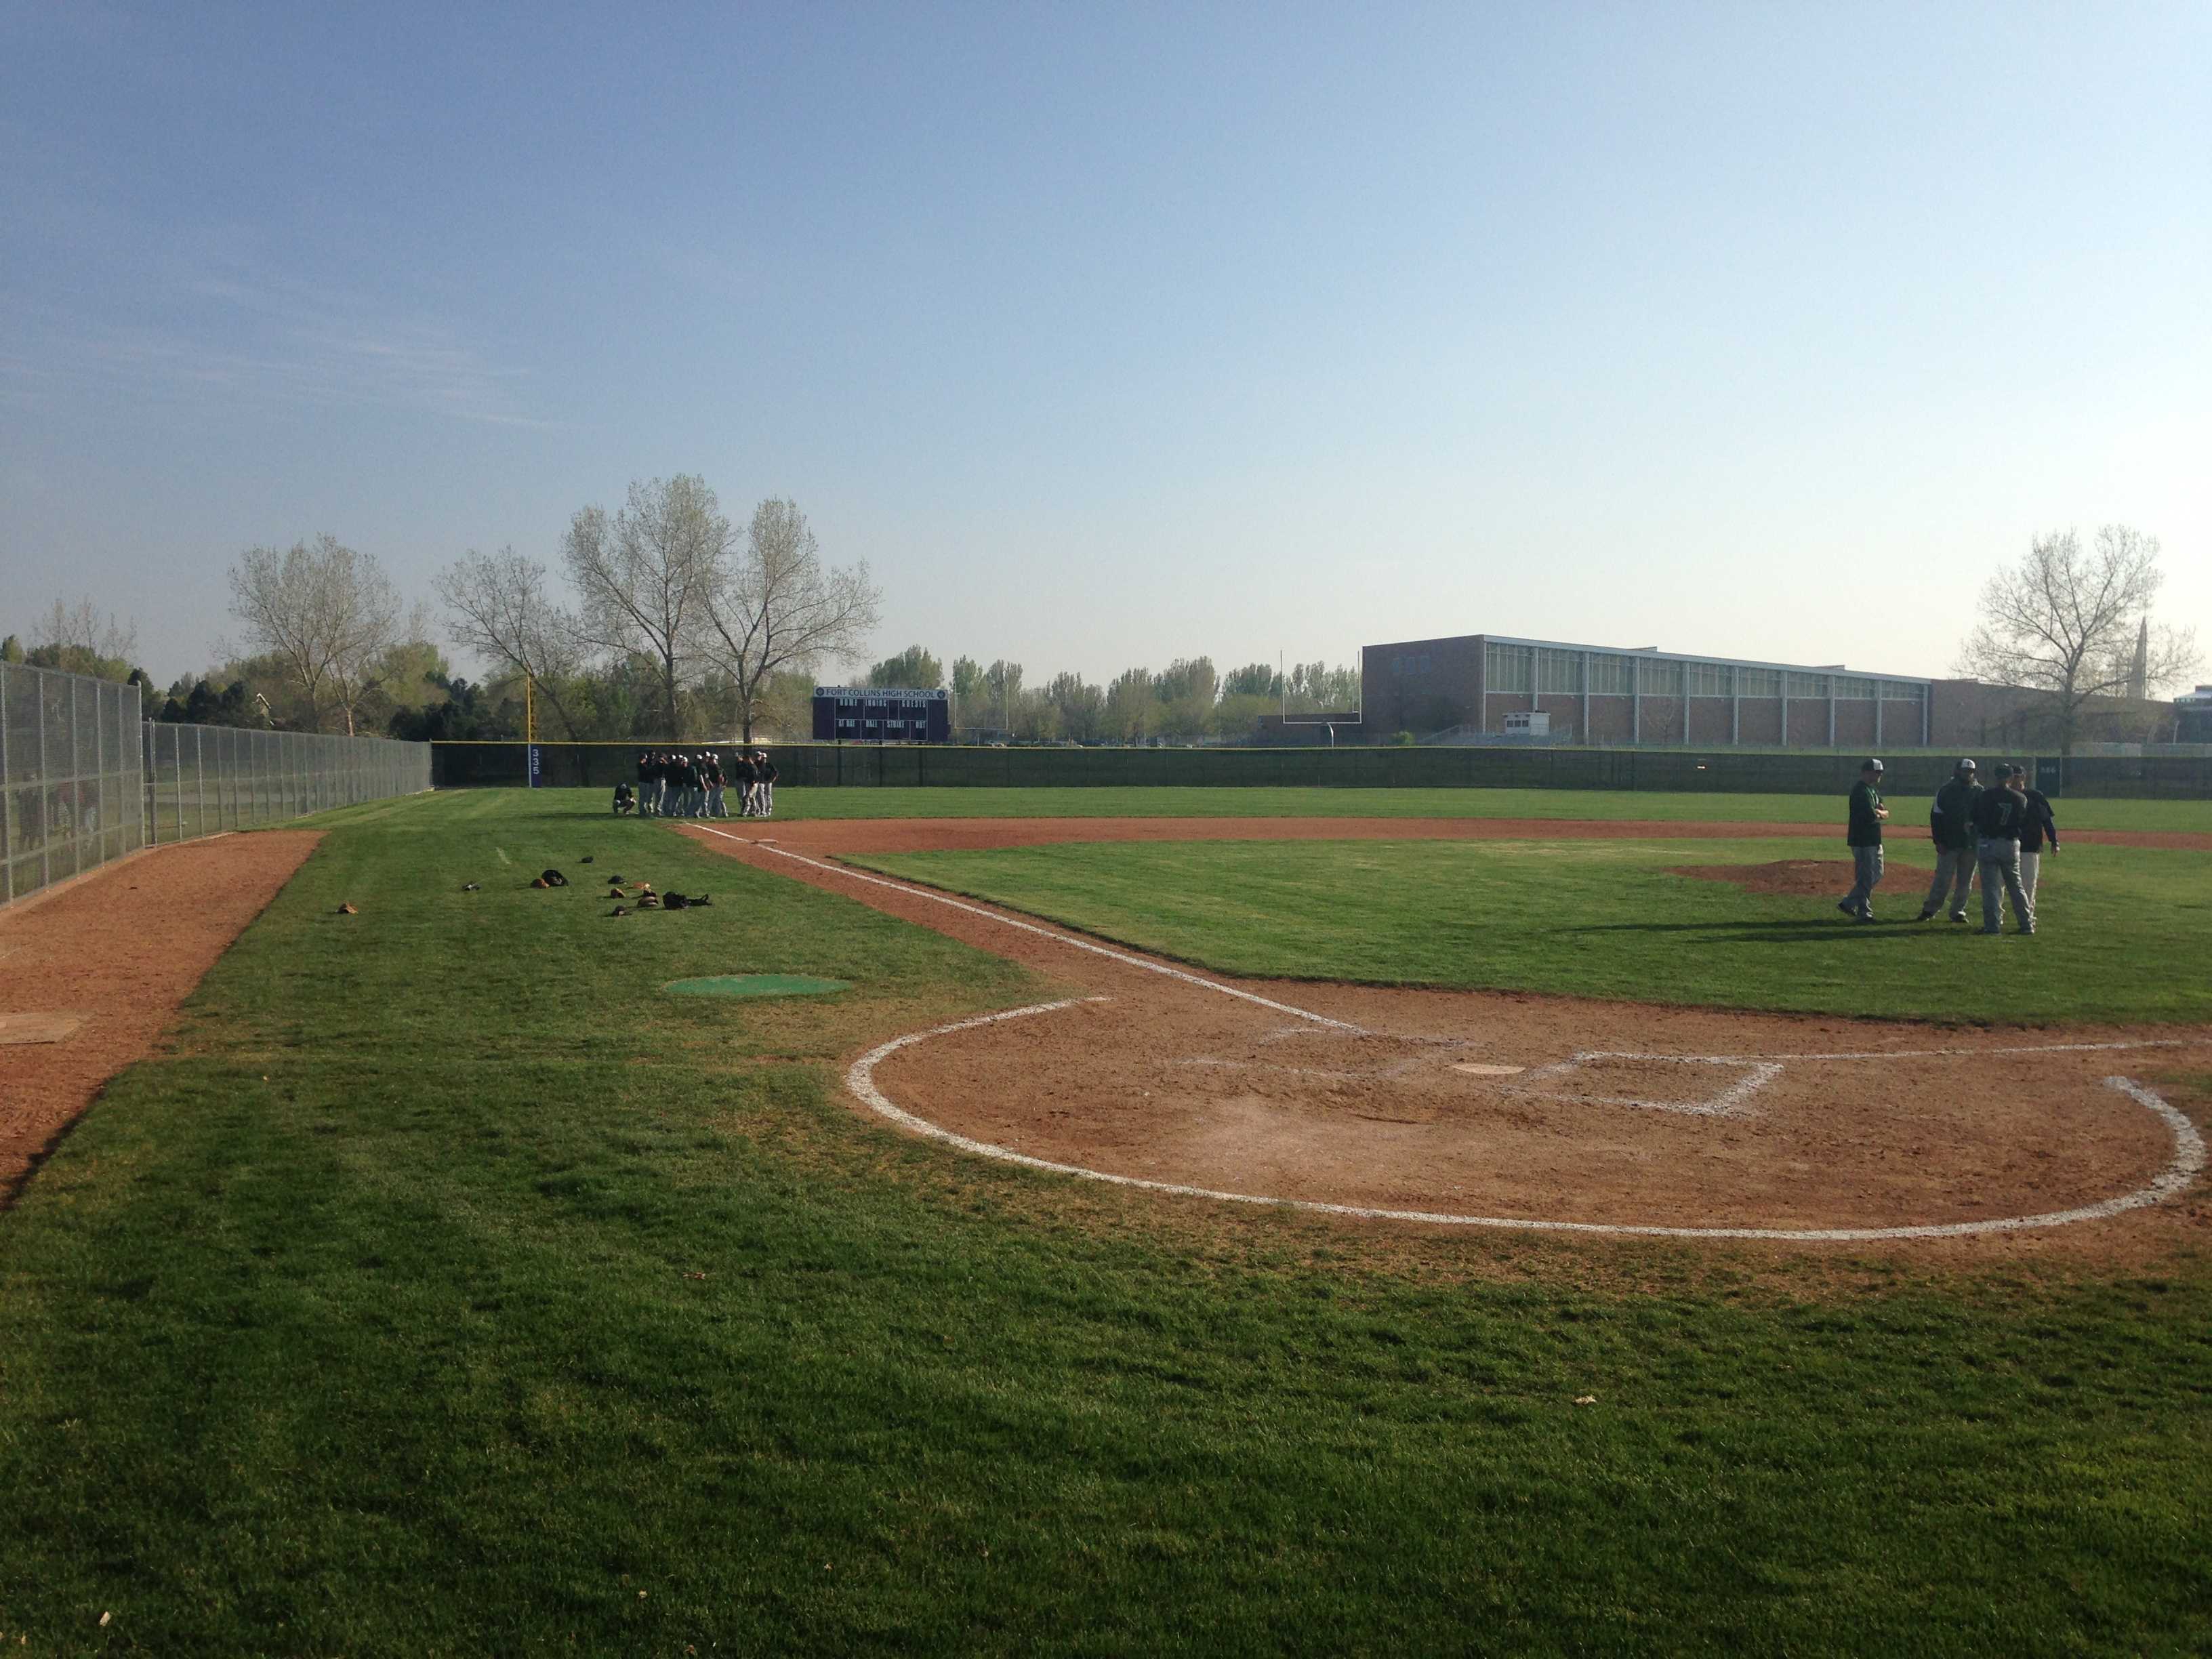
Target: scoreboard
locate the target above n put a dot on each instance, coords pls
(872, 713)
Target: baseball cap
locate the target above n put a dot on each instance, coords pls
(1872, 766)
(1965, 766)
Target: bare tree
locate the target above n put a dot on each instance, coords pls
(328, 612)
(78, 641)
(647, 574)
(498, 607)
(2069, 625)
(776, 607)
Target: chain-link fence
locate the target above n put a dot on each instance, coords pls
(203, 780)
(83, 780)
(70, 774)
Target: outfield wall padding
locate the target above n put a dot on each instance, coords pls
(592, 765)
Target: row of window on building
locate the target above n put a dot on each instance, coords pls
(1527, 669)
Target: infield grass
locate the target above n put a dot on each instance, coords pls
(1606, 806)
(450, 1288)
(1610, 919)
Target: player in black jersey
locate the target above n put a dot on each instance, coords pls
(1998, 813)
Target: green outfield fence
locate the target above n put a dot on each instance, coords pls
(603, 765)
(84, 779)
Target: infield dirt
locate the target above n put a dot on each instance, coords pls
(1522, 1106)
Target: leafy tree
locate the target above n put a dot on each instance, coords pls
(1081, 708)
(412, 674)
(1238, 712)
(1187, 692)
(1002, 687)
(967, 689)
(1314, 688)
(2069, 624)
(469, 713)
(272, 697)
(201, 703)
(1257, 679)
(913, 667)
(11, 649)
(622, 699)
(1188, 679)
(1132, 706)
(786, 707)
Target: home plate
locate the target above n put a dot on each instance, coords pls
(38, 1028)
(1480, 1068)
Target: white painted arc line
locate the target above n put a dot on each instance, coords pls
(2182, 1169)
(912, 891)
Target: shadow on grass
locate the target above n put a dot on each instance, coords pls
(1769, 933)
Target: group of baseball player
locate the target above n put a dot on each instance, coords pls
(1995, 830)
(697, 786)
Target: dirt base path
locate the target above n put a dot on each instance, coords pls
(832, 837)
(1489, 1110)
(108, 961)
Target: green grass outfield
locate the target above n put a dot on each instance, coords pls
(451, 1289)
(1611, 806)
(1607, 919)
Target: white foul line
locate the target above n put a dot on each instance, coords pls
(2183, 1168)
(912, 891)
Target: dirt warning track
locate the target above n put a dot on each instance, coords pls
(1510, 1110)
(107, 961)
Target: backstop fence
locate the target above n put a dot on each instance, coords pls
(84, 779)
(1733, 771)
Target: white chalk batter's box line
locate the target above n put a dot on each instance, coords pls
(1731, 1101)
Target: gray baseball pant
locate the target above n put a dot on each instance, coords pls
(1866, 873)
(1954, 870)
(2000, 861)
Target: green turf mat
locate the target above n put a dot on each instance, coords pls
(758, 985)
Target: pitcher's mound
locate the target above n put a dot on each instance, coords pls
(1795, 878)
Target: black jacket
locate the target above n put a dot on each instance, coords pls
(1951, 821)
(2037, 823)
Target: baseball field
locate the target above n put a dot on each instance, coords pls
(1254, 1221)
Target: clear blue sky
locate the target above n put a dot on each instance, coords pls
(1113, 334)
